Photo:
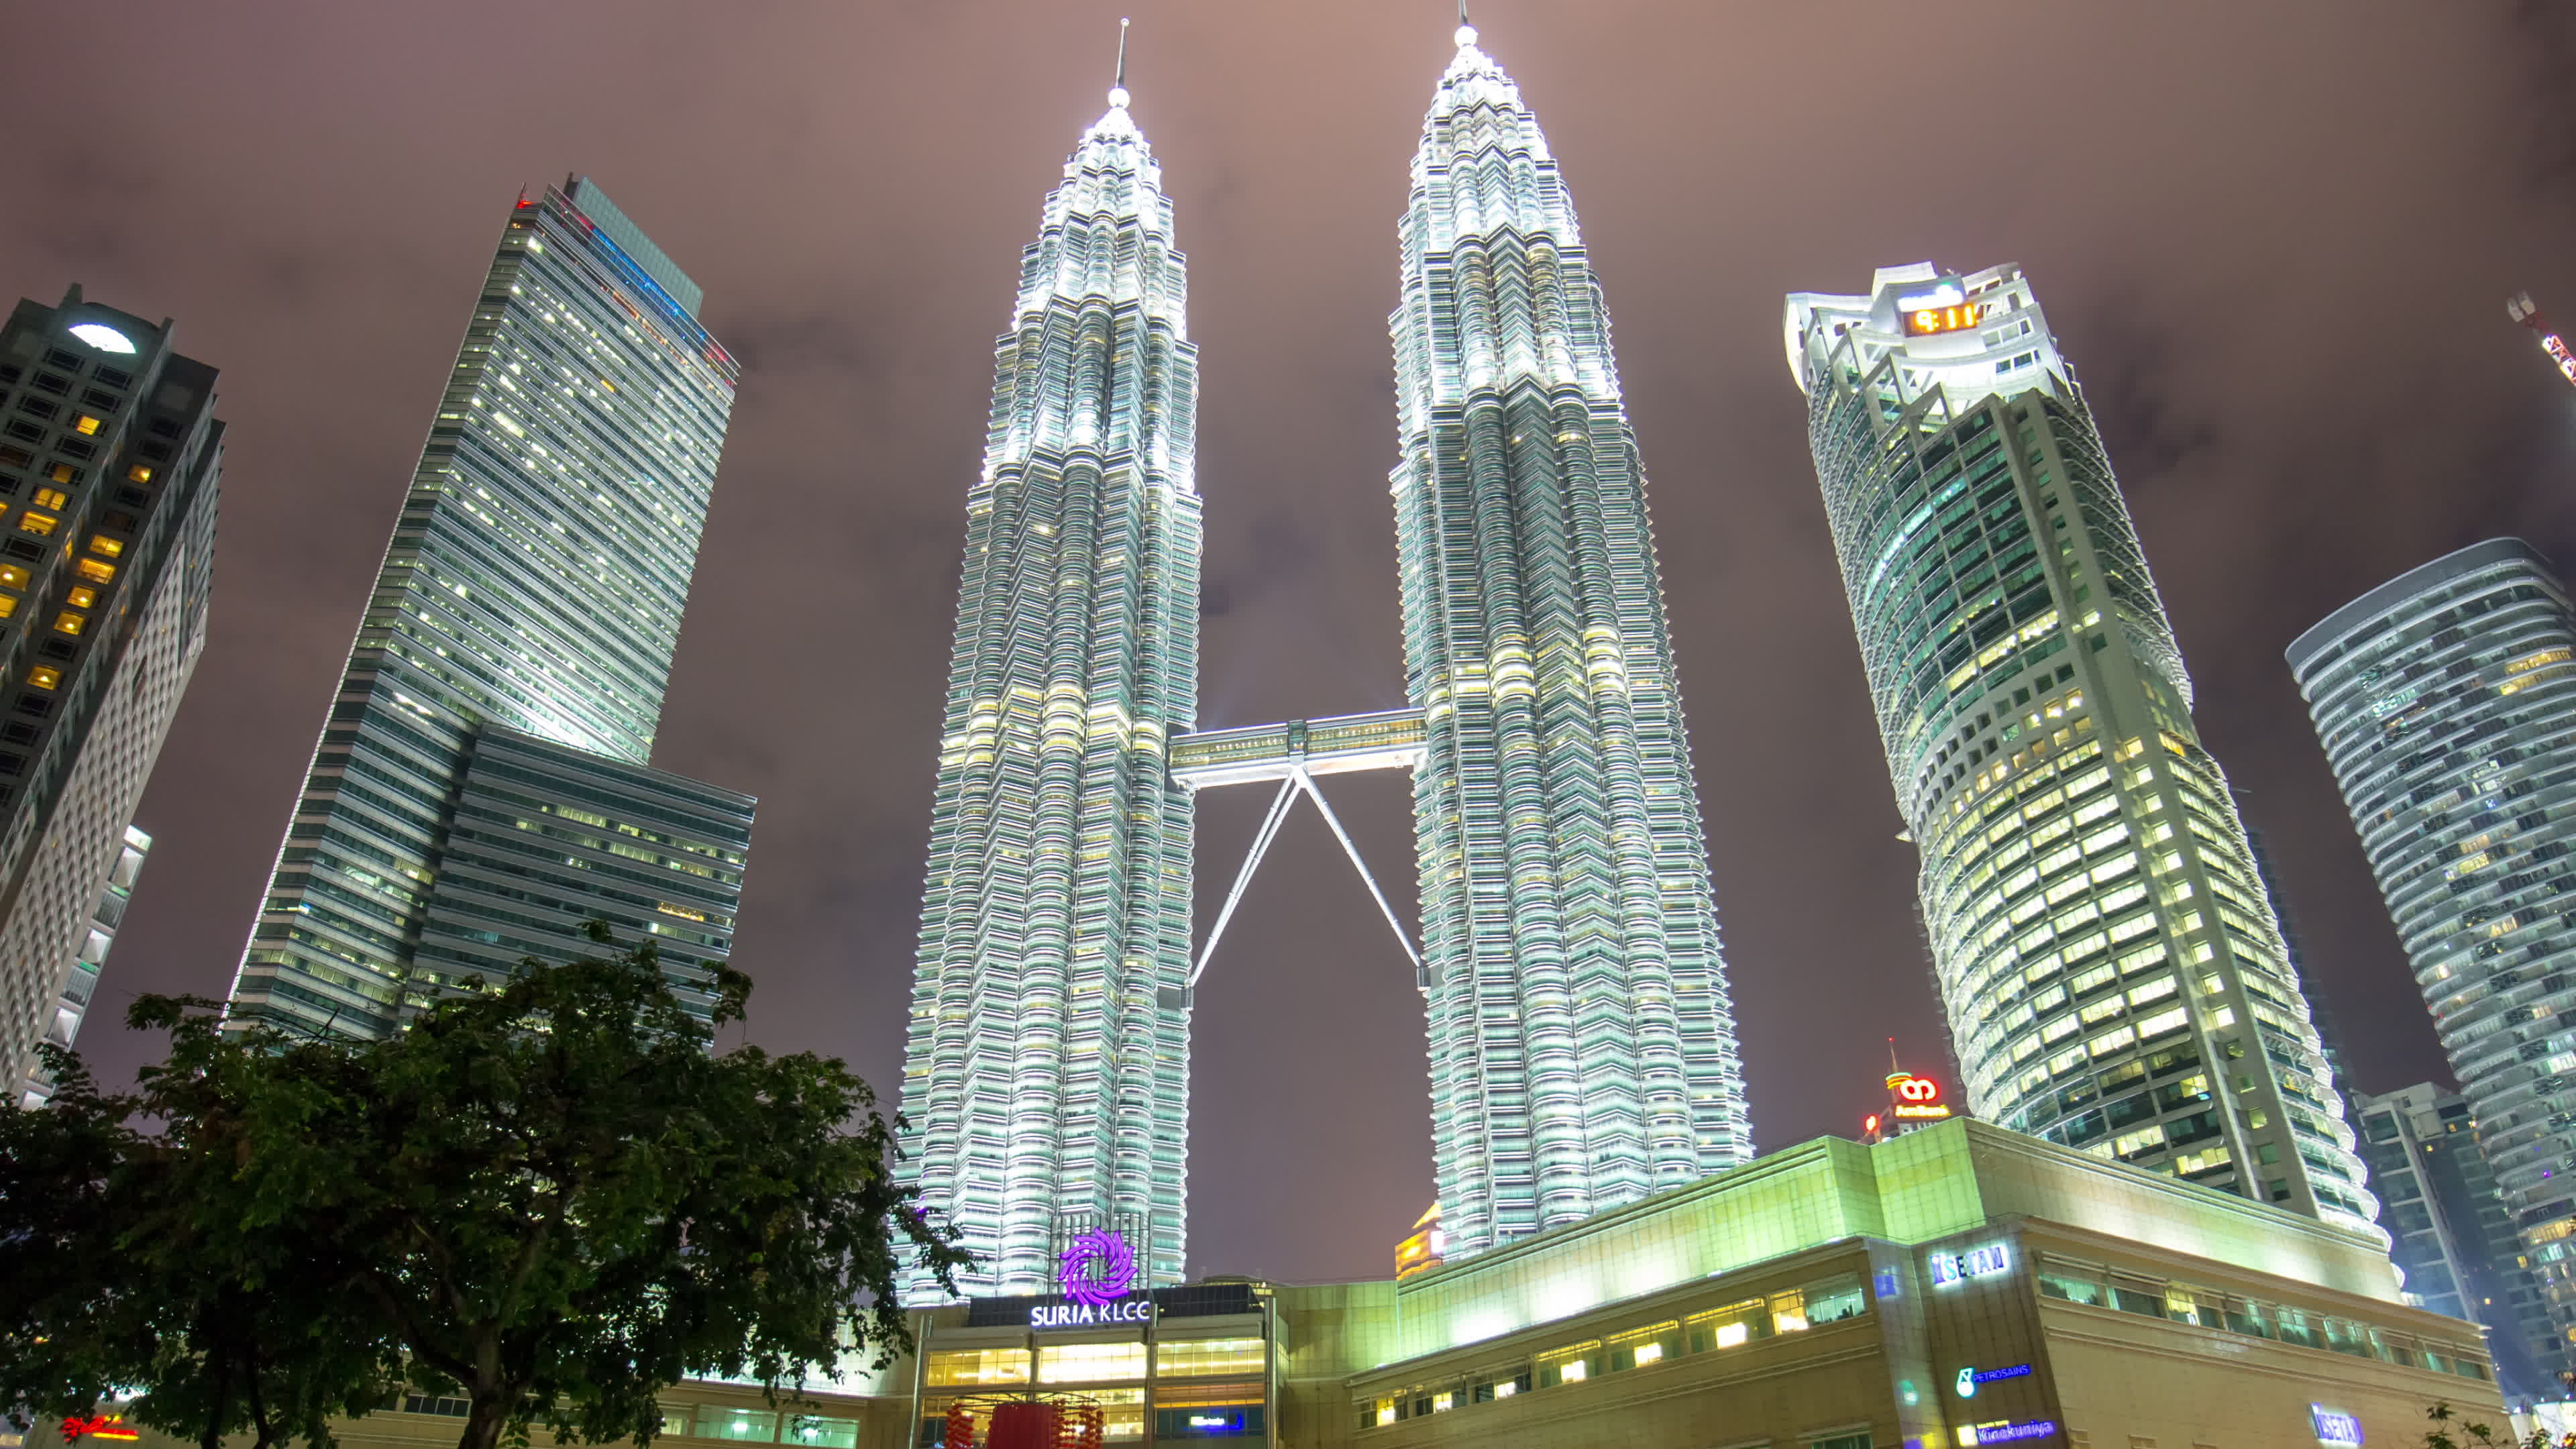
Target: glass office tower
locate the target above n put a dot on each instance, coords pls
(534, 584)
(110, 459)
(2110, 966)
(2453, 1239)
(1047, 1069)
(2446, 701)
(1582, 1040)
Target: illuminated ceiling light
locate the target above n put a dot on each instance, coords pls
(103, 337)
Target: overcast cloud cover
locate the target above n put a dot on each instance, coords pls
(2275, 239)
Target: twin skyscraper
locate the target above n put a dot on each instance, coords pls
(2113, 968)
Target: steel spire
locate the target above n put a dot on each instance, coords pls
(1118, 88)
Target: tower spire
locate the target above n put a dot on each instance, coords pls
(1118, 88)
(1466, 28)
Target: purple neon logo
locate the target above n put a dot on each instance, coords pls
(1098, 1269)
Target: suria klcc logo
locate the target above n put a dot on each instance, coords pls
(1098, 1269)
(1097, 1272)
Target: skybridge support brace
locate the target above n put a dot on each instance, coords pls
(1295, 782)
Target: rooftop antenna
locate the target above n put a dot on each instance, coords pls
(2521, 309)
(1118, 89)
(1466, 28)
(1891, 1056)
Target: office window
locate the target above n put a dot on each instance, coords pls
(39, 524)
(100, 543)
(45, 676)
(138, 474)
(52, 498)
(95, 571)
(84, 424)
(758, 1426)
(69, 621)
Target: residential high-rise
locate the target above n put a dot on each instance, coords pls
(110, 458)
(1582, 1040)
(80, 983)
(2109, 964)
(2446, 701)
(1047, 1070)
(531, 597)
(2451, 1235)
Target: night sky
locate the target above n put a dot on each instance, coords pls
(2275, 241)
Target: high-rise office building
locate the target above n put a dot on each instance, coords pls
(1047, 1069)
(110, 456)
(531, 598)
(2450, 1233)
(1582, 1040)
(2446, 701)
(2109, 964)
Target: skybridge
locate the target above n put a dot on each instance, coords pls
(1293, 753)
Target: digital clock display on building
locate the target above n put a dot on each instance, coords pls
(1932, 321)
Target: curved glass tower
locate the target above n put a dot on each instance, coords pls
(2444, 699)
(1582, 1041)
(1047, 1067)
(2114, 976)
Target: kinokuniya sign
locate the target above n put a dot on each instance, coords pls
(1097, 1273)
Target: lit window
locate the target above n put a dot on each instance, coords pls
(63, 473)
(52, 498)
(13, 576)
(100, 543)
(84, 424)
(37, 523)
(68, 621)
(95, 571)
(44, 676)
(82, 597)
(8, 605)
(138, 474)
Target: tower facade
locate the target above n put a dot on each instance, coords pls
(110, 460)
(1582, 1040)
(2443, 698)
(2112, 972)
(1047, 1068)
(534, 586)
(2451, 1235)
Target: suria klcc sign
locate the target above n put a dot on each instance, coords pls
(1097, 1273)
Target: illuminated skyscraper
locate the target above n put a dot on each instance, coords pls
(110, 461)
(1047, 1067)
(2111, 968)
(531, 598)
(2444, 699)
(1582, 1042)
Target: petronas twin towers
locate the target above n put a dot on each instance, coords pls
(1581, 1039)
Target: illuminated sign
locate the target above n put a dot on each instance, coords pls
(1216, 1421)
(1097, 1271)
(1918, 1099)
(1933, 321)
(1970, 1377)
(2009, 1433)
(1097, 1268)
(2341, 1430)
(1979, 1262)
(99, 1426)
(1083, 1315)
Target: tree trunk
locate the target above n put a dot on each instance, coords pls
(485, 1420)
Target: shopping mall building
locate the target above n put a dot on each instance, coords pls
(1959, 1285)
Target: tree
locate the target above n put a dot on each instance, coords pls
(549, 1194)
(115, 1272)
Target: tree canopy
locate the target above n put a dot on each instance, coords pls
(549, 1195)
